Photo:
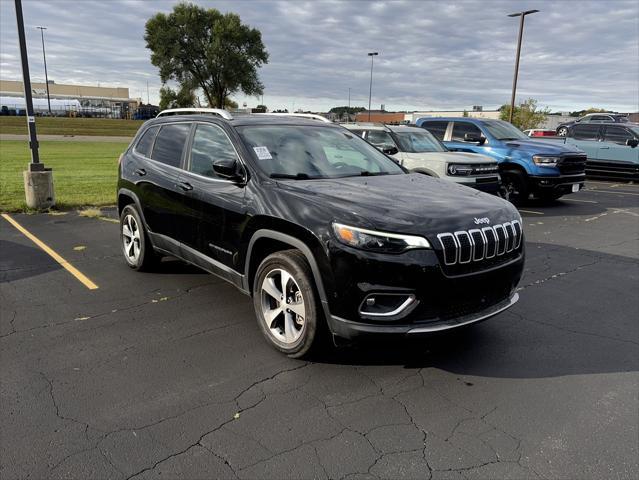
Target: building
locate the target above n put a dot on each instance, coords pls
(379, 116)
(70, 100)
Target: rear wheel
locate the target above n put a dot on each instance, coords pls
(136, 247)
(286, 305)
(515, 186)
(562, 131)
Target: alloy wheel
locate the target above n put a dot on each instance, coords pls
(131, 239)
(283, 307)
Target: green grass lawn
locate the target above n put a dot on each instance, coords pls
(72, 126)
(84, 173)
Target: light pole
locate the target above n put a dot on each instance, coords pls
(348, 112)
(370, 88)
(521, 32)
(46, 75)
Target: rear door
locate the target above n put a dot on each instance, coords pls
(437, 128)
(158, 187)
(215, 205)
(614, 148)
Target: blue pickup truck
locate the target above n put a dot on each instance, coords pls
(543, 169)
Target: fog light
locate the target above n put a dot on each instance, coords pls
(387, 304)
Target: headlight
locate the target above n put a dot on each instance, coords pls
(459, 170)
(377, 241)
(545, 161)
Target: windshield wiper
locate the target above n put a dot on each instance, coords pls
(366, 173)
(296, 176)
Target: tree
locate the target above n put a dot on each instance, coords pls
(183, 97)
(204, 49)
(345, 109)
(526, 115)
(465, 114)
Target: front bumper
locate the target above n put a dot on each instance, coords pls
(443, 297)
(348, 329)
(561, 183)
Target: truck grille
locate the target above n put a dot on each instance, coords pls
(572, 164)
(477, 244)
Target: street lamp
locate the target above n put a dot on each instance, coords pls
(370, 89)
(521, 32)
(46, 76)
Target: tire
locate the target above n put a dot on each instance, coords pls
(515, 187)
(562, 131)
(294, 332)
(136, 246)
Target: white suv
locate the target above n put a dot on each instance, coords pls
(418, 150)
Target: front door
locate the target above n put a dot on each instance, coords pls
(613, 146)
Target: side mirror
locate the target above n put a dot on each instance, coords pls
(390, 150)
(226, 168)
(632, 142)
(474, 138)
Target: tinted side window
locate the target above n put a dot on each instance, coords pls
(143, 147)
(436, 128)
(585, 132)
(379, 137)
(601, 118)
(618, 135)
(170, 142)
(210, 143)
(462, 128)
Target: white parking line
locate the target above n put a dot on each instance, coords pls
(610, 191)
(532, 211)
(578, 200)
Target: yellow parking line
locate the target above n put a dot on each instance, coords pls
(70, 268)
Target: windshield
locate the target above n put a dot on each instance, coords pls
(415, 141)
(309, 152)
(503, 130)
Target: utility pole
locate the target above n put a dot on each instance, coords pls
(370, 88)
(521, 33)
(46, 75)
(38, 181)
(348, 112)
(148, 102)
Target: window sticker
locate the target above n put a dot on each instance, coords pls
(262, 153)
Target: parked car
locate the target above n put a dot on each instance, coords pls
(526, 166)
(562, 128)
(324, 231)
(419, 151)
(539, 132)
(611, 148)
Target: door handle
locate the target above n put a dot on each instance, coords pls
(186, 186)
(141, 172)
(606, 148)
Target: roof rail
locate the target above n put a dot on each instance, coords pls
(304, 115)
(194, 111)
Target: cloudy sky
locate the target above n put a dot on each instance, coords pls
(433, 54)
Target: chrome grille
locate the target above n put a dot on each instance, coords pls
(478, 244)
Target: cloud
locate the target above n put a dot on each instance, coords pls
(435, 55)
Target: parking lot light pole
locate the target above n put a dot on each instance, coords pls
(521, 33)
(370, 88)
(38, 181)
(46, 75)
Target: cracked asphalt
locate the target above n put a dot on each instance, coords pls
(165, 374)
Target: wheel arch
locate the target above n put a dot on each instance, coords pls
(128, 197)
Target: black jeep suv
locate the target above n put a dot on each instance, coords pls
(323, 230)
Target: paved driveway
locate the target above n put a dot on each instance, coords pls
(165, 374)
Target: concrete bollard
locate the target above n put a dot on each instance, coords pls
(38, 189)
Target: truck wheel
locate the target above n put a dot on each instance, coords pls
(286, 305)
(562, 131)
(515, 187)
(136, 247)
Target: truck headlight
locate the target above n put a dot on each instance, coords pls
(543, 161)
(459, 169)
(377, 241)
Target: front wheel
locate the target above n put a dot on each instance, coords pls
(562, 131)
(286, 305)
(514, 187)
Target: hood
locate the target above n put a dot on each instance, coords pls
(541, 147)
(411, 203)
(450, 157)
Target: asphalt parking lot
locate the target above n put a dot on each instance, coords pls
(165, 374)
